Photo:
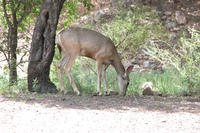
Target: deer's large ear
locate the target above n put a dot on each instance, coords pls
(129, 69)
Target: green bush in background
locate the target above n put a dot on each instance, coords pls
(162, 82)
(185, 58)
(13, 90)
(131, 29)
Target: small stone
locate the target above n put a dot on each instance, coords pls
(164, 17)
(171, 24)
(146, 64)
(142, 70)
(164, 67)
(176, 29)
(98, 14)
(168, 13)
(180, 17)
(147, 92)
(147, 89)
(146, 85)
(136, 67)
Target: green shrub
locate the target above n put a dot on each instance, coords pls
(84, 74)
(162, 82)
(15, 89)
(185, 58)
(131, 29)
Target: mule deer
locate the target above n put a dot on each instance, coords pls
(75, 41)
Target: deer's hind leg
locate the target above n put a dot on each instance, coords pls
(68, 66)
(60, 67)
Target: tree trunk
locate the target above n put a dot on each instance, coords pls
(43, 46)
(12, 44)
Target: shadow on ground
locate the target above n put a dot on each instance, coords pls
(70, 101)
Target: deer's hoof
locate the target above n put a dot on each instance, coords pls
(63, 92)
(97, 94)
(78, 93)
(107, 93)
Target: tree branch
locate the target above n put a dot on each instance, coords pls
(21, 69)
(18, 5)
(6, 14)
(122, 39)
(88, 65)
(7, 58)
(21, 59)
(24, 14)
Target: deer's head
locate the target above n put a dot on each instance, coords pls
(123, 81)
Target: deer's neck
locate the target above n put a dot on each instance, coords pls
(118, 66)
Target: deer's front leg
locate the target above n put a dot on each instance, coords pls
(104, 79)
(99, 69)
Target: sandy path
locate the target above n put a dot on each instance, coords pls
(54, 114)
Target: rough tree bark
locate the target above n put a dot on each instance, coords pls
(12, 42)
(43, 46)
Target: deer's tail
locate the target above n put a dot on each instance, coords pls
(58, 42)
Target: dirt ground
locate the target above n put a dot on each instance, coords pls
(105, 114)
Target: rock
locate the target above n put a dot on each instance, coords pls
(164, 67)
(176, 29)
(146, 64)
(84, 18)
(164, 17)
(146, 85)
(142, 70)
(168, 13)
(180, 17)
(171, 24)
(136, 68)
(147, 88)
(98, 15)
(147, 92)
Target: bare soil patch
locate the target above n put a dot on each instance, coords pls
(69, 113)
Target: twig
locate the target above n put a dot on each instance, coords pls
(21, 69)
(122, 40)
(21, 59)
(6, 14)
(87, 63)
(7, 58)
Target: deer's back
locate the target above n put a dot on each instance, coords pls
(87, 43)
